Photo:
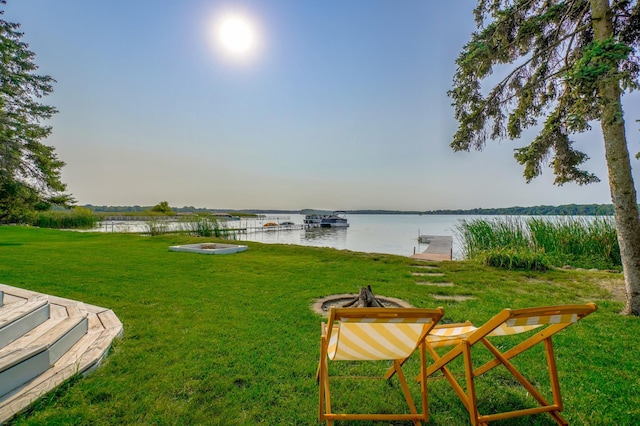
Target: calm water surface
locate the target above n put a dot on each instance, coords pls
(392, 234)
(371, 233)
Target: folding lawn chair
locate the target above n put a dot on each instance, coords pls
(371, 334)
(463, 336)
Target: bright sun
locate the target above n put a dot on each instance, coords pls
(236, 34)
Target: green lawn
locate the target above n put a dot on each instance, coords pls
(231, 340)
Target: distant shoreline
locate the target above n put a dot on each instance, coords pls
(542, 210)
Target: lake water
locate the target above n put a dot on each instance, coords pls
(392, 234)
(372, 233)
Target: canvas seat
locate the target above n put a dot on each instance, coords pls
(465, 336)
(373, 334)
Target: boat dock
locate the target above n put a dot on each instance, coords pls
(439, 247)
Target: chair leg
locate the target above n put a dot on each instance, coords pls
(424, 395)
(405, 388)
(516, 374)
(449, 376)
(322, 375)
(320, 379)
(528, 386)
(555, 383)
(472, 405)
(325, 395)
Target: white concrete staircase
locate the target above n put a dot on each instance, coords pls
(45, 340)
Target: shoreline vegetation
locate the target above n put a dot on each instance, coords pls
(510, 242)
(534, 243)
(88, 216)
(232, 340)
(541, 210)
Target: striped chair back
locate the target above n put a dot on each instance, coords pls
(514, 322)
(386, 334)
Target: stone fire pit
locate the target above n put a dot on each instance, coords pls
(321, 306)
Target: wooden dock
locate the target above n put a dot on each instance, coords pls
(439, 247)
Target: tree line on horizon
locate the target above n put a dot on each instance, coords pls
(542, 210)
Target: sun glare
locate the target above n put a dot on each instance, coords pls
(236, 35)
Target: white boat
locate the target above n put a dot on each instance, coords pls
(312, 220)
(337, 219)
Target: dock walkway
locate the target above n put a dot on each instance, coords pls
(440, 247)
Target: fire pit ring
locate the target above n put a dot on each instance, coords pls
(321, 306)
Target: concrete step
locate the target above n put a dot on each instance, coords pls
(73, 339)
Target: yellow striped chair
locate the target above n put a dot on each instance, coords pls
(463, 336)
(372, 334)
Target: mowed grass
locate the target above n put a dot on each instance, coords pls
(231, 340)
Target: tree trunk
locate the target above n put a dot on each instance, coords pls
(623, 193)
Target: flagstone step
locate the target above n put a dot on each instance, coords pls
(427, 274)
(436, 284)
(452, 297)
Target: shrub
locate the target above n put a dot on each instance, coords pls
(156, 227)
(579, 242)
(78, 218)
(162, 207)
(528, 260)
(207, 226)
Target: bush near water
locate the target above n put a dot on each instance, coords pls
(203, 225)
(537, 243)
(77, 218)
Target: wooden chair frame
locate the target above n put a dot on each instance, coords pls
(383, 317)
(463, 345)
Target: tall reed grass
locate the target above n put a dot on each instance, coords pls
(156, 227)
(579, 242)
(208, 226)
(200, 226)
(78, 218)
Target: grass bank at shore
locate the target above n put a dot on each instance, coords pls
(231, 340)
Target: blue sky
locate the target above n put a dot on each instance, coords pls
(343, 106)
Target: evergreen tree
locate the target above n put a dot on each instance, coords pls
(568, 63)
(29, 170)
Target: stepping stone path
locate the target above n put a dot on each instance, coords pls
(442, 284)
(452, 297)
